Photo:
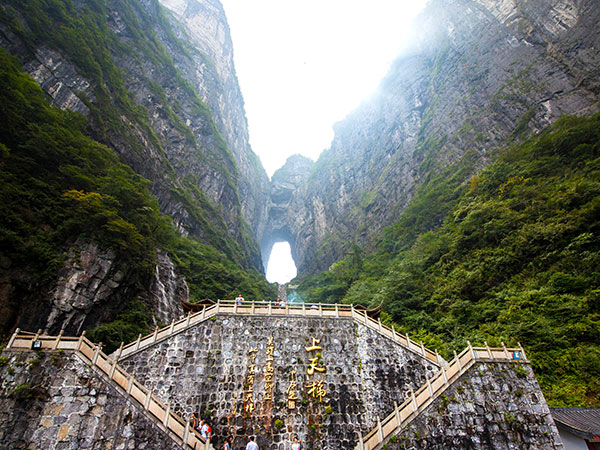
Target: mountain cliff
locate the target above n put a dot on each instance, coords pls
(156, 87)
(478, 75)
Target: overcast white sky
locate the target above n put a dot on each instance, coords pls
(304, 65)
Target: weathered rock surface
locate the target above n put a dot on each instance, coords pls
(284, 183)
(204, 25)
(479, 74)
(188, 146)
(92, 288)
(167, 291)
(57, 401)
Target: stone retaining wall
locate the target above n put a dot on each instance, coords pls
(207, 369)
(492, 406)
(53, 400)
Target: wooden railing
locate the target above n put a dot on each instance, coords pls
(269, 309)
(180, 429)
(433, 388)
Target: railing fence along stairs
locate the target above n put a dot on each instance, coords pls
(268, 309)
(402, 415)
(177, 428)
(108, 365)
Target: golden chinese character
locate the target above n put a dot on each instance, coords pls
(313, 366)
(316, 390)
(314, 345)
(291, 391)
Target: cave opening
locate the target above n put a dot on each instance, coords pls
(281, 267)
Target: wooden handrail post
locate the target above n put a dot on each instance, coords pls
(379, 430)
(423, 349)
(429, 388)
(522, 351)
(186, 433)
(218, 306)
(235, 305)
(167, 414)
(155, 334)
(253, 307)
(189, 319)
(366, 317)
(320, 310)
(337, 311)
(172, 327)
(379, 325)
(397, 411)
(506, 355)
(80, 340)
(148, 398)
(37, 335)
(489, 351)
(120, 351)
(303, 309)
(13, 337)
(438, 357)
(129, 384)
(58, 339)
(137, 343)
(113, 368)
(361, 443)
(270, 310)
(473, 355)
(203, 312)
(444, 376)
(96, 353)
(414, 400)
(287, 308)
(458, 362)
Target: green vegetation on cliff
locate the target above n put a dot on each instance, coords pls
(516, 260)
(82, 32)
(58, 185)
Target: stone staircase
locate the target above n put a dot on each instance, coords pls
(434, 387)
(174, 426)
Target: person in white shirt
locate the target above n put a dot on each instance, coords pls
(251, 445)
(204, 429)
(239, 299)
(296, 444)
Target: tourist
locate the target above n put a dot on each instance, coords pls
(239, 299)
(194, 422)
(203, 429)
(296, 445)
(251, 445)
(228, 444)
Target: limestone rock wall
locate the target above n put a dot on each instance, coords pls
(92, 287)
(492, 406)
(210, 369)
(53, 400)
(192, 143)
(478, 75)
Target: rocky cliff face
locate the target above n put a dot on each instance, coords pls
(479, 75)
(284, 183)
(193, 142)
(204, 25)
(157, 85)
